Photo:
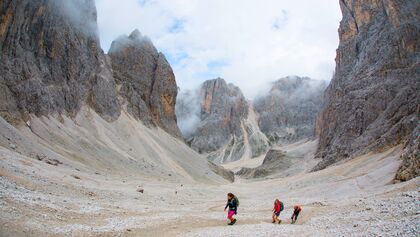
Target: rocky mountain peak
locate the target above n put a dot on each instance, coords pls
(288, 112)
(135, 35)
(223, 100)
(52, 63)
(218, 121)
(145, 81)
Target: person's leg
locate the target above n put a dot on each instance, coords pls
(277, 217)
(296, 215)
(230, 215)
(274, 217)
(293, 218)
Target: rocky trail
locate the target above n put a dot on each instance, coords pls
(353, 198)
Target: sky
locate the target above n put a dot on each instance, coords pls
(249, 43)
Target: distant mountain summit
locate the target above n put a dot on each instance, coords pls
(222, 130)
(227, 127)
(288, 112)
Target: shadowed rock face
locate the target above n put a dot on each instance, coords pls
(371, 102)
(51, 60)
(145, 81)
(52, 63)
(288, 113)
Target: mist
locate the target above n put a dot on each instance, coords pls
(81, 14)
(188, 109)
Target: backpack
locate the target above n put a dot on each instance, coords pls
(281, 206)
(237, 201)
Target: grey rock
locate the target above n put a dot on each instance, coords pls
(221, 107)
(52, 63)
(145, 81)
(12, 146)
(288, 113)
(50, 57)
(257, 140)
(226, 127)
(410, 167)
(216, 121)
(274, 162)
(371, 102)
(227, 174)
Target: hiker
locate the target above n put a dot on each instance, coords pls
(278, 207)
(296, 212)
(232, 203)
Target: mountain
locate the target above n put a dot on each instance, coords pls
(217, 120)
(288, 112)
(372, 102)
(145, 81)
(66, 103)
(51, 60)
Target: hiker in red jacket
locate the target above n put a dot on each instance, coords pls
(278, 207)
(296, 212)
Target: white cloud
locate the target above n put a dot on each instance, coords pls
(249, 43)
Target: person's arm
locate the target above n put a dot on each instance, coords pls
(227, 204)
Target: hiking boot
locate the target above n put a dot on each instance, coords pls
(273, 222)
(234, 221)
(279, 222)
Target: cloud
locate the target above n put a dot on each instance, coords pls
(188, 109)
(249, 43)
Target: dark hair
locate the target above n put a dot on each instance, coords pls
(231, 195)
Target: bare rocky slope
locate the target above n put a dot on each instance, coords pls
(56, 80)
(372, 100)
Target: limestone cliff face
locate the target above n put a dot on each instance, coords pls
(288, 113)
(222, 108)
(371, 102)
(221, 125)
(145, 81)
(51, 62)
